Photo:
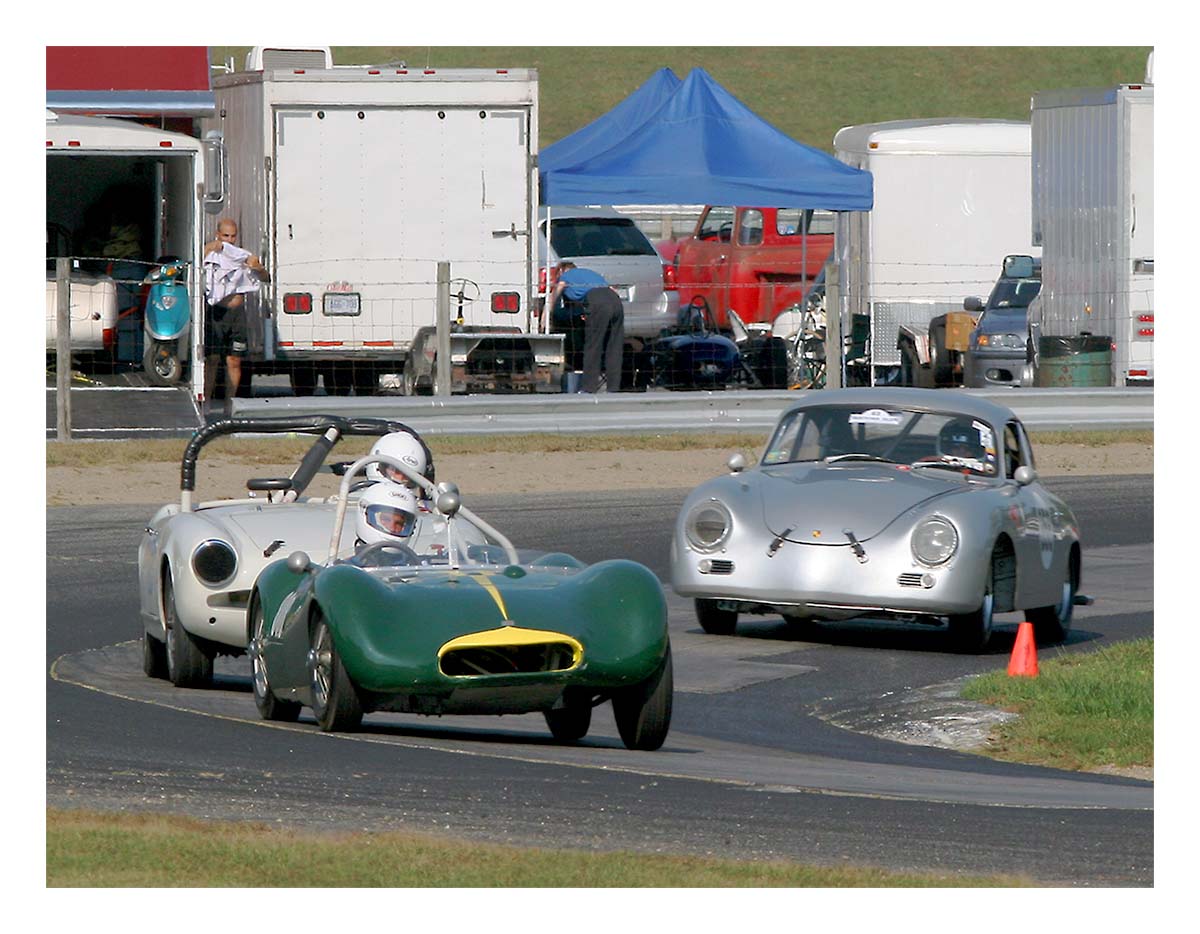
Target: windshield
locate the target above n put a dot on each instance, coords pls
(598, 236)
(846, 434)
(1014, 293)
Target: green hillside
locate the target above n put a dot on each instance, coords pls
(807, 92)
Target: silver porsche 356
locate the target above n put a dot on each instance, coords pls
(904, 505)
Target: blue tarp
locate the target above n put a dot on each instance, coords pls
(704, 146)
(612, 127)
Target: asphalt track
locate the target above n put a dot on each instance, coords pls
(754, 767)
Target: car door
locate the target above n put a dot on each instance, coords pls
(1041, 550)
(702, 259)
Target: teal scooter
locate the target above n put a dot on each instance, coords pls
(166, 323)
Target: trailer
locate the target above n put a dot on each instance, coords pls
(353, 184)
(1093, 217)
(119, 196)
(951, 201)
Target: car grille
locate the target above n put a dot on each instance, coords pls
(534, 658)
(910, 580)
(721, 567)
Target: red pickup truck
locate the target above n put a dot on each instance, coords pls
(753, 260)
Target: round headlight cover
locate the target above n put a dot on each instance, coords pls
(934, 541)
(708, 525)
(214, 561)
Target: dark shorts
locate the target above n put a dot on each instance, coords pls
(226, 333)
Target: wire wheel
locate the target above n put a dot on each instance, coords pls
(335, 700)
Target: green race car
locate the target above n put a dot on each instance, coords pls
(446, 627)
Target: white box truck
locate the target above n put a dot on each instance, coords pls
(1093, 216)
(352, 184)
(119, 196)
(951, 201)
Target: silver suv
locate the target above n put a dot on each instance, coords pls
(609, 243)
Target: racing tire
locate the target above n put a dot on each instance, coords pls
(188, 665)
(335, 701)
(154, 656)
(162, 364)
(643, 712)
(1052, 624)
(713, 620)
(570, 722)
(269, 706)
(970, 632)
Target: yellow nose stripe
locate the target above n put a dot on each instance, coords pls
(485, 582)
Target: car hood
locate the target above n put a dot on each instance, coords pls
(300, 526)
(802, 499)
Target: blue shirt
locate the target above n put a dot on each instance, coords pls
(581, 281)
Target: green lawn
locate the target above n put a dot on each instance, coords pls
(1082, 711)
(807, 92)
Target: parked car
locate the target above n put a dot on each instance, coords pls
(475, 631)
(609, 243)
(757, 261)
(197, 563)
(998, 350)
(907, 505)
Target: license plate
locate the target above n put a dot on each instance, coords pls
(341, 303)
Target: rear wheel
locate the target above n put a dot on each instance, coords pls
(571, 721)
(269, 706)
(335, 700)
(643, 712)
(714, 620)
(188, 665)
(1053, 623)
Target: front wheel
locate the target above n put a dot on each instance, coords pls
(269, 706)
(188, 665)
(154, 656)
(1052, 624)
(572, 721)
(643, 712)
(161, 363)
(714, 620)
(970, 632)
(335, 700)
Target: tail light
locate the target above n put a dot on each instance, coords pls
(542, 278)
(108, 335)
(508, 303)
(670, 278)
(297, 303)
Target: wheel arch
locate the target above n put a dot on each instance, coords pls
(1004, 579)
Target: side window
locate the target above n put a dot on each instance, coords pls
(1012, 449)
(717, 219)
(751, 230)
(791, 222)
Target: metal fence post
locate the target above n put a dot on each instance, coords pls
(62, 271)
(833, 328)
(441, 382)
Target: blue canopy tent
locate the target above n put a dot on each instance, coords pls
(703, 146)
(612, 127)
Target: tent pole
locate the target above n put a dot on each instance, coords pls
(804, 221)
(547, 311)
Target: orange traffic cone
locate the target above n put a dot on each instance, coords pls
(1024, 654)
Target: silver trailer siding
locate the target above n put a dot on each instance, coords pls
(352, 184)
(1093, 215)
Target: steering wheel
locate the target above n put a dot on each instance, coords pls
(373, 554)
(269, 483)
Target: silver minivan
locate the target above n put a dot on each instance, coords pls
(608, 242)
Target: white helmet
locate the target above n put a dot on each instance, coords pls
(403, 447)
(387, 512)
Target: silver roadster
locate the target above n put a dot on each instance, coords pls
(915, 506)
(198, 562)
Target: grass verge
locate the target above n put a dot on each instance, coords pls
(84, 454)
(1083, 711)
(119, 850)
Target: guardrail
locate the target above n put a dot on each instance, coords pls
(721, 411)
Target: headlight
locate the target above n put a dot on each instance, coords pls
(934, 541)
(708, 526)
(214, 562)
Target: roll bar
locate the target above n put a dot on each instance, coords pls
(425, 484)
(329, 428)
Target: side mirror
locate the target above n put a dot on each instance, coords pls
(298, 562)
(972, 303)
(1025, 475)
(736, 463)
(449, 502)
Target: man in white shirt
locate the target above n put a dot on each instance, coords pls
(230, 273)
